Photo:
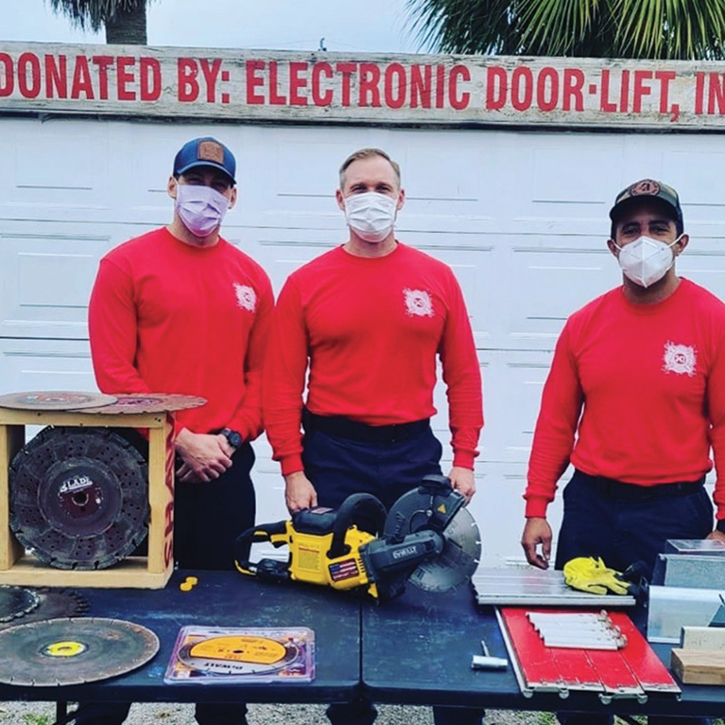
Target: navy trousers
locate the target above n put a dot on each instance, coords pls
(208, 517)
(339, 467)
(623, 524)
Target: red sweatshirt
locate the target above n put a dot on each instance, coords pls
(372, 330)
(636, 393)
(166, 317)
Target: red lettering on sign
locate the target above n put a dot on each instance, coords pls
(275, 98)
(7, 75)
(150, 79)
(421, 86)
(29, 75)
(318, 97)
(716, 96)
(125, 77)
(369, 85)
(522, 88)
(440, 86)
(396, 86)
(188, 85)
(458, 102)
(664, 77)
(254, 82)
(624, 92)
(573, 84)
(103, 62)
(604, 103)
(56, 76)
(699, 91)
(297, 83)
(547, 89)
(640, 89)
(210, 71)
(346, 69)
(82, 83)
(496, 88)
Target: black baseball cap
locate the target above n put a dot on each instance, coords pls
(206, 151)
(648, 189)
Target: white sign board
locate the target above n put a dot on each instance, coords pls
(280, 86)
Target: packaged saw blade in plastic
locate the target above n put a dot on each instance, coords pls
(242, 654)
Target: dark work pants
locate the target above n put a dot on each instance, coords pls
(338, 467)
(622, 525)
(208, 517)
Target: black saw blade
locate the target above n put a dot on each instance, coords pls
(73, 651)
(16, 602)
(52, 603)
(79, 497)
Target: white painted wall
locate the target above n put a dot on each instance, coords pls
(521, 216)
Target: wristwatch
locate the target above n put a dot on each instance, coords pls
(233, 437)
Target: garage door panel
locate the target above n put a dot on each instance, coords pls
(45, 365)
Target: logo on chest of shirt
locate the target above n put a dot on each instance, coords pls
(680, 359)
(246, 297)
(418, 303)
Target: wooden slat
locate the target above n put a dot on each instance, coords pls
(699, 667)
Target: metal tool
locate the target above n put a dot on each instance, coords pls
(577, 630)
(487, 662)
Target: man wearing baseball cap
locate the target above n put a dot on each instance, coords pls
(180, 310)
(634, 400)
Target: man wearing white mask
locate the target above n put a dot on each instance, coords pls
(635, 400)
(180, 310)
(369, 319)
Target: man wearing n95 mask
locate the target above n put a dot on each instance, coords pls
(634, 400)
(370, 319)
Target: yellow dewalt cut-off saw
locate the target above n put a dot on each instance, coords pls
(427, 538)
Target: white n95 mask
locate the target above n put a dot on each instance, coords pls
(200, 208)
(370, 215)
(645, 260)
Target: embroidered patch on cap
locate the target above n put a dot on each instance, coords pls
(211, 151)
(648, 187)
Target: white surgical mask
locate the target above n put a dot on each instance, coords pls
(200, 208)
(371, 215)
(645, 260)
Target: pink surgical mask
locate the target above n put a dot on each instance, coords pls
(200, 208)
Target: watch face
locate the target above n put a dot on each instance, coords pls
(234, 438)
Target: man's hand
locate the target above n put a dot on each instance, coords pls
(299, 492)
(716, 536)
(463, 481)
(537, 532)
(205, 456)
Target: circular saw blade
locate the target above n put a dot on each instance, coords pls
(151, 403)
(54, 400)
(16, 602)
(79, 497)
(458, 560)
(73, 651)
(52, 603)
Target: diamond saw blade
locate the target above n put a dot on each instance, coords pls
(73, 651)
(54, 400)
(151, 403)
(52, 603)
(16, 602)
(459, 559)
(78, 497)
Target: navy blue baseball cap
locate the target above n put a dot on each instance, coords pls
(205, 151)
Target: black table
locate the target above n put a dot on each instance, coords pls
(223, 599)
(417, 650)
(413, 650)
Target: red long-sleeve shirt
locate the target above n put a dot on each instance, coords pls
(371, 330)
(166, 317)
(636, 393)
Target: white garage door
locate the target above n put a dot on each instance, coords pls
(520, 216)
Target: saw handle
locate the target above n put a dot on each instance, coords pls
(275, 533)
(360, 508)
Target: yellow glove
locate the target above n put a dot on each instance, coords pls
(591, 575)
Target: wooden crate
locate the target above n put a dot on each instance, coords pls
(149, 572)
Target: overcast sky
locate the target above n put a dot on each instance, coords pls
(372, 25)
